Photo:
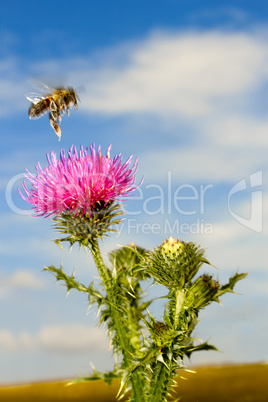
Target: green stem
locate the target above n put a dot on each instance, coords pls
(179, 297)
(136, 378)
(159, 385)
(103, 270)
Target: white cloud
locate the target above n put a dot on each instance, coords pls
(238, 132)
(12, 87)
(24, 279)
(182, 74)
(206, 163)
(73, 337)
(186, 74)
(65, 338)
(237, 15)
(234, 246)
(20, 279)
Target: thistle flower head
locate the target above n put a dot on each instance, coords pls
(76, 183)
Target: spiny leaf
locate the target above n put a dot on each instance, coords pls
(228, 287)
(203, 346)
(70, 282)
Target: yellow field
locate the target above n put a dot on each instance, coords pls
(246, 383)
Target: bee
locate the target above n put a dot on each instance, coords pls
(56, 102)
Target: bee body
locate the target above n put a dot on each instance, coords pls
(37, 110)
(56, 103)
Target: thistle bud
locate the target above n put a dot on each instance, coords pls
(171, 246)
(175, 263)
(203, 291)
(161, 333)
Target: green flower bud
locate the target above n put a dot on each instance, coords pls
(175, 263)
(202, 292)
(161, 333)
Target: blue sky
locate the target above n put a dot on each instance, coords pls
(181, 84)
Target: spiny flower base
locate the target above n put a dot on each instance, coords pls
(85, 228)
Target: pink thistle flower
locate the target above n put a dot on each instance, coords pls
(79, 182)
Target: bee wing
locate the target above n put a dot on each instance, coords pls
(33, 97)
(41, 86)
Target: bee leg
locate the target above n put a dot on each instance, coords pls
(53, 106)
(55, 112)
(63, 109)
(55, 126)
(55, 115)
